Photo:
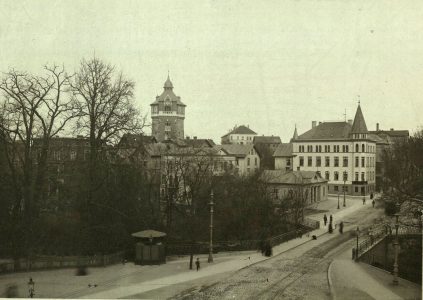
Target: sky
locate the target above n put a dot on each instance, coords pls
(272, 65)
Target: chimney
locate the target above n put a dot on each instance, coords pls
(313, 124)
(350, 122)
(392, 129)
(377, 126)
(320, 123)
(188, 137)
(195, 137)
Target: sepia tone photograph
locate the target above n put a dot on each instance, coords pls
(211, 149)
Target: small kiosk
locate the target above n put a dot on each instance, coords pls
(149, 249)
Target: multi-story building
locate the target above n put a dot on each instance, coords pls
(343, 153)
(167, 114)
(246, 158)
(242, 135)
(283, 157)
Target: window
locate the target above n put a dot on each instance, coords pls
(248, 161)
(356, 162)
(288, 162)
(327, 175)
(362, 176)
(167, 108)
(327, 161)
(345, 176)
(367, 161)
(301, 161)
(345, 161)
(255, 161)
(362, 161)
(336, 162)
(363, 148)
(336, 188)
(356, 189)
(56, 155)
(347, 148)
(336, 176)
(356, 176)
(357, 148)
(309, 161)
(318, 161)
(73, 155)
(309, 148)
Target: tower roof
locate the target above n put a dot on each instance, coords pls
(168, 84)
(359, 125)
(295, 133)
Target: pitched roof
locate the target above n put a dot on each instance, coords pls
(393, 133)
(133, 140)
(267, 139)
(168, 94)
(284, 150)
(237, 149)
(240, 130)
(379, 139)
(291, 177)
(199, 142)
(327, 130)
(359, 124)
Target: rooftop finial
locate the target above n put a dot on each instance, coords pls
(358, 96)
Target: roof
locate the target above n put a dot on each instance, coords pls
(168, 94)
(148, 234)
(359, 124)
(379, 139)
(199, 142)
(133, 140)
(240, 130)
(236, 149)
(284, 150)
(393, 133)
(327, 130)
(267, 139)
(291, 177)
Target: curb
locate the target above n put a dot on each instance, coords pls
(331, 290)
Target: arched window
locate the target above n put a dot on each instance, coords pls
(363, 148)
(345, 176)
(356, 148)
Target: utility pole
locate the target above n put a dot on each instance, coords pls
(210, 259)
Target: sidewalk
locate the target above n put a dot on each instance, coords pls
(119, 281)
(351, 280)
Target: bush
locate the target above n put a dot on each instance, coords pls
(390, 208)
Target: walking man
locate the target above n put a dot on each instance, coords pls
(373, 203)
(197, 263)
(341, 227)
(364, 200)
(330, 219)
(325, 219)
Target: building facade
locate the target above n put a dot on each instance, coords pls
(343, 153)
(244, 157)
(241, 135)
(167, 115)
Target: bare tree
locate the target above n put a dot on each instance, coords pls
(33, 110)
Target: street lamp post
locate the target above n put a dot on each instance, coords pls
(344, 193)
(210, 259)
(396, 244)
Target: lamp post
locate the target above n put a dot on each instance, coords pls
(338, 199)
(396, 244)
(344, 193)
(210, 259)
(31, 288)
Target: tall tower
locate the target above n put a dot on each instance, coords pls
(167, 115)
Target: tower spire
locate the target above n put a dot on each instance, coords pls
(295, 133)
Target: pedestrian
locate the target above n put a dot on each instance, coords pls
(330, 227)
(197, 263)
(325, 219)
(330, 219)
(364, 200)
(341, 227)
(373, 203)
(371, 196)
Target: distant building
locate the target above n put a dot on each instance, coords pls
(384, 140)
(239, 135)
(168, 115)
(283, 184)
(343, 153)
(197, 143)
(246, 158)
(283, 157)
(266, 146)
